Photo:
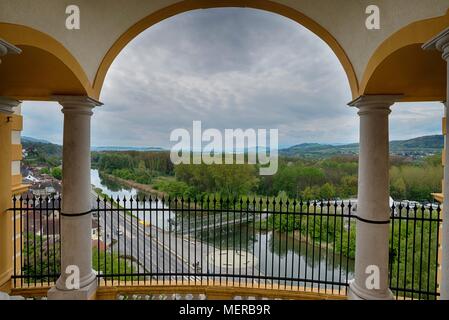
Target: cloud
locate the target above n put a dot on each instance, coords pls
(229, 68)
(43, 120)
(415, 119)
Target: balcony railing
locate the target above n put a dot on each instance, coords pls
(250, 243)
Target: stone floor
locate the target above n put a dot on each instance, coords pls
(177, 296)
(5, 296)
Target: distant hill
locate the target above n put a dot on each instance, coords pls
(317, 150)
(30, 139)
(416, 147)
(435, 143)
(41, 146)
(41, 152)
(112, 148)
(54, 149)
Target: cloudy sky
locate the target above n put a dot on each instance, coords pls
(229, 68)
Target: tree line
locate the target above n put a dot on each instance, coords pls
(309, 179)
(141, 167)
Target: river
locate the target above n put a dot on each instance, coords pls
(273, 253)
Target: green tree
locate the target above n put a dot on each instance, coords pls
(310, 193)
(398, 189)
(44, 171)
(327, 191)
(56, 172)
(348, 186)
(227, 180)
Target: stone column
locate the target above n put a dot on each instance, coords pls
(6, 241)
(76, 219)
(373, 212)
(441, 43)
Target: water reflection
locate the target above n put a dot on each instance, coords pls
(281, 256)
(111, 187)
(276, 255)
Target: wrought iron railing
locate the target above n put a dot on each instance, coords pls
(36, 241)
(252, 242)
(414, 250)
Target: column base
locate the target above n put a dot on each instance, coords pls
(5, 281)
(85, 293)
(357, 293)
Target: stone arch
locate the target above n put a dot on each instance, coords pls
(400, 65)
(189, 5)
(44, 68)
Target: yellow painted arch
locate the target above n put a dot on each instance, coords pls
(189, 5)
(38, 45)
(401, 56)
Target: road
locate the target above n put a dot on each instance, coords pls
(156, 251)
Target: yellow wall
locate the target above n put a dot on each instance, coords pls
(16, 185)
(16, 153)
(5, 200)
(10, 183)
(440, 198)
(400, 65)
(40, 53)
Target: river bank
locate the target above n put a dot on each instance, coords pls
(272, 248)
(296, 235)
(139, 186)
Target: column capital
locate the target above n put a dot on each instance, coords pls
(440, 42)
(77, 104)
(7, 48)
(374, 103)
(7, 105)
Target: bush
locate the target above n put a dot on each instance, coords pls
(57, 173)
(44, 171)
(175, 189)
